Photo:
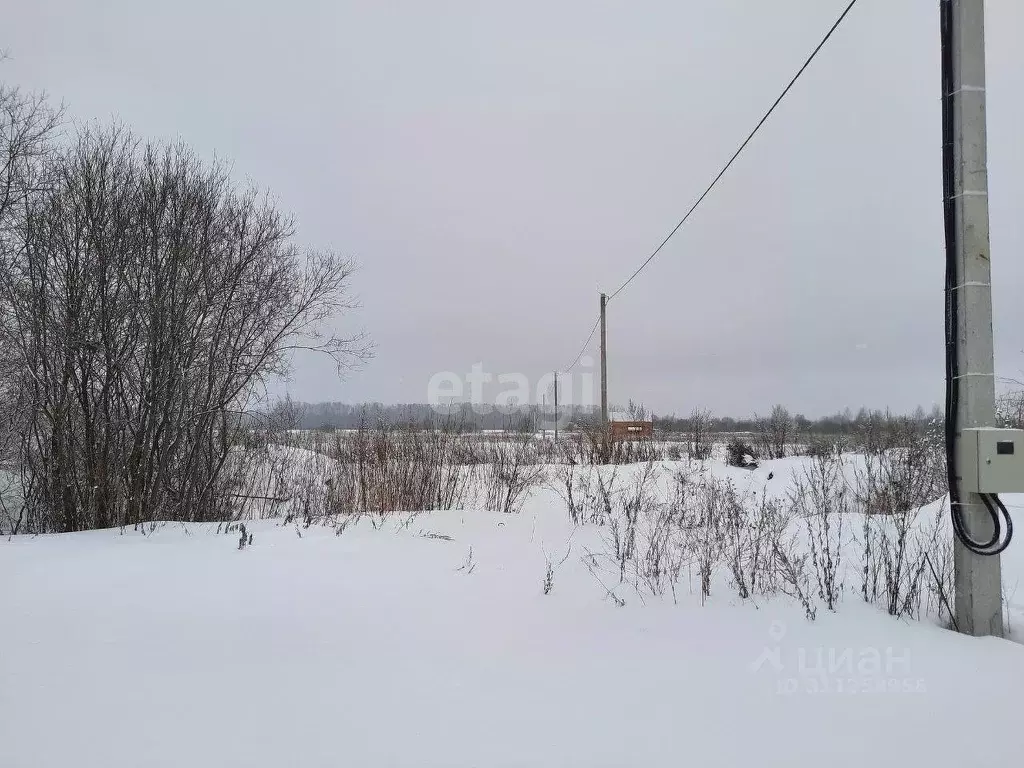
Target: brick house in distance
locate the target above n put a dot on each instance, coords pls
(624, 428)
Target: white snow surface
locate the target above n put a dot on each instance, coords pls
(397, 647)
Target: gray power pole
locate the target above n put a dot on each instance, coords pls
(978, 588)
(604, 370)
(556, 406)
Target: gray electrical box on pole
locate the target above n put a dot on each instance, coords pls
(978, 588)
(991, 460)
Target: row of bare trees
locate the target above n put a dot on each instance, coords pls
(145, 302)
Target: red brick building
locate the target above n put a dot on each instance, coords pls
(631, 430)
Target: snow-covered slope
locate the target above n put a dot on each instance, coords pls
(430, 642)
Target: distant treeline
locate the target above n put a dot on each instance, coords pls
(463, 415)
(529, 418)
(845, 423)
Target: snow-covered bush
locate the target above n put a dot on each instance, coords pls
(739, 453)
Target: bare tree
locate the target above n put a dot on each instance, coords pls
(148, 302)
(637, 411)
(1010, 408)
(776, 433)
(698, 438)
(27, 128)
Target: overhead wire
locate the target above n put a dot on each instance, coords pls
(583, 349)
(739, 151)
(719, 176)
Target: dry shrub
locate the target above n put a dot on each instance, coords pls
(510, 473)
(821, 498)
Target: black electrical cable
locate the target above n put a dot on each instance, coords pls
(585, 345)
(722, 172)
(1002, 525)
(739, 151)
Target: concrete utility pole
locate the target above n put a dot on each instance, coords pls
(604, 369)
(556, 406)
(977, 577)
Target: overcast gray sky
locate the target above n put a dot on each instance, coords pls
(494, 165)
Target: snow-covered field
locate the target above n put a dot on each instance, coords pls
(428, 640)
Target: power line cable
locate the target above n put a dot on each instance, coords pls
(718, 177)
(743, 146)
(584, 347)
